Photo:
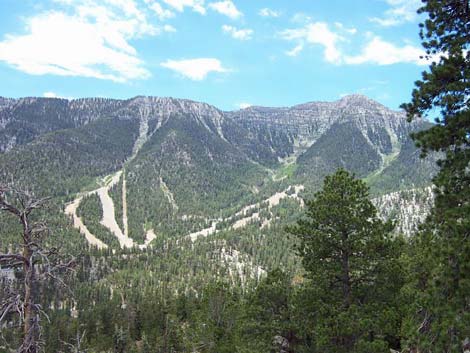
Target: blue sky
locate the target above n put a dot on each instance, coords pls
(227, 53)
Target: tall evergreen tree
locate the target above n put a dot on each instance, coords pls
(352, 261)
(440, 319)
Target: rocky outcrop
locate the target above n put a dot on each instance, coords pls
(281, 344)
(408, 208)
(305, 123)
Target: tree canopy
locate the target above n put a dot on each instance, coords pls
(351, 258)
(439, 321)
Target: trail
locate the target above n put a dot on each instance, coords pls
(71, 210)
(168, 194)
(124, 205)
(109, 216)
(272, 201)
(204, 232)
(149, 237)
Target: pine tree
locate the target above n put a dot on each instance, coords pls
(440, 263)
(352, 261)
(267, 316)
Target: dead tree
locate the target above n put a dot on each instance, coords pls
(30, 257)
(76, 347)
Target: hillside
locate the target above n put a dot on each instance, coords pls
(186, 165)
(160, 195)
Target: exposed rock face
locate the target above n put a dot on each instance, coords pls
(281, 344)
(209, 159)
(407, 208)
(305, 123)
(283, 129)
(354, 133)
(23, 119)
(466, 345)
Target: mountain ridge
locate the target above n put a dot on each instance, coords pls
(211, 162)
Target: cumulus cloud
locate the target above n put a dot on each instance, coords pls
(376, 50)
(227, 8)
(195, 5)
(195, 69)
(267, 12)
(400, 11)
(240, 34)
(316, 33)
(161, 13)
(380, 52)
(88, 39)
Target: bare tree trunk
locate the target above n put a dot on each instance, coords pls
(30, 329)
(30, 325)
(25, 301)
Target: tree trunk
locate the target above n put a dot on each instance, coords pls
(345, 276)
(348, 340)
(30, 329)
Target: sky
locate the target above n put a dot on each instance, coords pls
(229, 53)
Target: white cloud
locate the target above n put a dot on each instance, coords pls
(301, 18)
(267, 12)
(241, 34)
(54, 95)
(50, 95)
(400, 11)
(317, 33)
(376, 51)
(296, 50)
(243, 105)
(88, 39)
(161, 13)
(169, 28)
(341, 27)
(195, 69)
(379, 52)
(195, 5)
(227, 8)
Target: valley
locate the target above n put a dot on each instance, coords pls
(191, 170)
(311, 196)
(173, 196)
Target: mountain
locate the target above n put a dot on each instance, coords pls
(167, 203)
(355, 133)
(187, 166)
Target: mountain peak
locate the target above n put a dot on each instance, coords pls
(357, 99)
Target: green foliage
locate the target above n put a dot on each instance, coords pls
(91, 213)
(406, 171)
(202, 171)
(352, 262)
(180, 296)
(326, 155)
(439, 320)
(268, 313)
(62, 163)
